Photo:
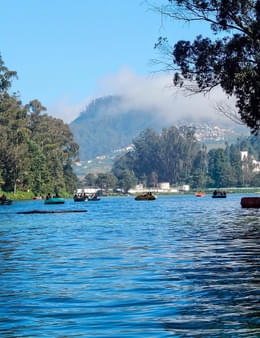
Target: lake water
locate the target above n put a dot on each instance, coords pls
(178, 266)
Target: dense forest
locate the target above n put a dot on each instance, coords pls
(36, 149)
(176, 156)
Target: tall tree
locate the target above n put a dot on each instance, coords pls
(106, 181)
(171, 156)
(36, 150)
(127, 180)
(90, 180)
(231, 61)
(220, 171)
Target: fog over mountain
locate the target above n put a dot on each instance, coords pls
(129, 103)
(158, 94)
(108, 124)
(153, 92)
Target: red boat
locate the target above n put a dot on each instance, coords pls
(250, 202)
(200, 194)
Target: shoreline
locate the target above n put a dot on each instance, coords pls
(28, 196)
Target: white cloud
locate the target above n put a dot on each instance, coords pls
(154, 93)
(157, 93)
(67, 111)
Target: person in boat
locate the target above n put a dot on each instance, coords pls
(215, 193)
(56, 195)
(94, 196)
(48, 196)
(3, 198)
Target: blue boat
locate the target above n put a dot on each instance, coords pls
(92, 199)
(6, 202)
(54, 200)
(80, 198)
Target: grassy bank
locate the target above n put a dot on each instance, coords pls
(20, 195)
(24, 195)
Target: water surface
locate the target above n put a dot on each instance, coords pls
(178, 266)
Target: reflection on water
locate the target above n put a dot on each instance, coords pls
(177, 266)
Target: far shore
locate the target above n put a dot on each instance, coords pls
(25, 196)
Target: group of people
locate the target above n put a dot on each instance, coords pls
(49, 196)
(84, 195)
(81, 195)
(219, 193)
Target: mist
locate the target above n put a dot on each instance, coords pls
(155, 93)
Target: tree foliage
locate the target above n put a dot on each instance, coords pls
(169, 156)
(175, 156)
(231, 61)
(36, 149)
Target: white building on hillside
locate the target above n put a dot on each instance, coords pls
(245, 157)
(184, 187)
(164, 185)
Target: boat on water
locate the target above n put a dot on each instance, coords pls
(80, 198)
(200, 194)
(250, 202)
(54, 200)
(6, 202)
(145, 197)
(92, 199)
(219, 194)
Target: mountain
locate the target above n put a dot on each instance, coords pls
(108, 124)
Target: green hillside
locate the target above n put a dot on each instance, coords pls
(107, 124)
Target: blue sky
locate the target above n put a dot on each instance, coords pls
(64, 50)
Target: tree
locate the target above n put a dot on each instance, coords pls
(231, 61)
(36, 150)
(127, 180)
(90, 180)
(1, 179)
(219, 169)
(153, 179)
(6, 77)
(236, 164)
(106, 181)
(145, 156)
(255, 182)
(170, 156)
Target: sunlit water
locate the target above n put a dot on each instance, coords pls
(178, 266)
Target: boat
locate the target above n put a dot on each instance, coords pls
(80, 198)
(92, 199)
(145, 197)
(54, 200)
(6, 202)
(219, 194)
(250, 202)
(200, 194)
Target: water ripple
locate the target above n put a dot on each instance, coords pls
(178, 266)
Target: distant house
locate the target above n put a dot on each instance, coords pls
(164, 185)
(184, 187)
(139, 187)
(88, 190)
(244, 155)
(255, 163)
